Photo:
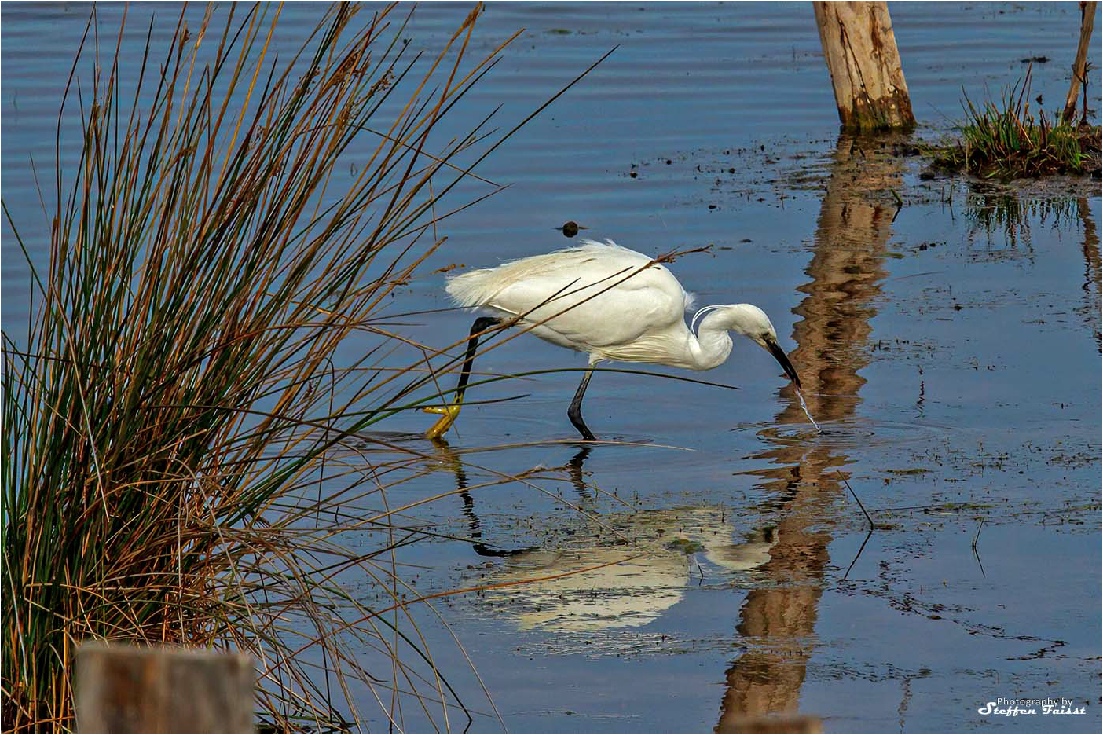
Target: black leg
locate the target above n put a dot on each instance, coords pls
(574, 413)
(481, 324)
(450, 412)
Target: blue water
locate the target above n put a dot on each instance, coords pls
(954, 366)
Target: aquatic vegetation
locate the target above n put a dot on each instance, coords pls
(182, 433)
(1005, 140)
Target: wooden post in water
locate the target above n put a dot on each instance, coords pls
(1080, 66)
(860, 50)
(124, 689)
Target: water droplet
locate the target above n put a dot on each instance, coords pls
(806, 413)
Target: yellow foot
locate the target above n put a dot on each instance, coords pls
(448, 416)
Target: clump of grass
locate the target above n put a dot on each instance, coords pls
(1007, 141)
(184, 456)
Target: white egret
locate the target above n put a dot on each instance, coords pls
(610, 302)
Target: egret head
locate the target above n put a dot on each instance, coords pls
(752, 321)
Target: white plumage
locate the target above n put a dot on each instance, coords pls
(612, 303)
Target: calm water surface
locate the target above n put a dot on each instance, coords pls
(950, 347)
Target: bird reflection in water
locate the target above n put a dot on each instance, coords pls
(618, 570)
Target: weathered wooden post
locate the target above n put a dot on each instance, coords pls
(124, 689)
(860, 50)
(1080, 66)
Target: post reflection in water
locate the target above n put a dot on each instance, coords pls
(1092, 274)
(777, 622)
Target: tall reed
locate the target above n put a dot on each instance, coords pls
(179, 427)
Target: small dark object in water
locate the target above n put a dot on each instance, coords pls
(570, 228)
(1035, 60)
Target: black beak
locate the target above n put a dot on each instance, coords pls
(783, 359)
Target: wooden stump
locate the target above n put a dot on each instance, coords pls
(1080, 66)
(123, 689)
(860, 50)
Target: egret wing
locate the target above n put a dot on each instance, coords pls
(598, 298)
